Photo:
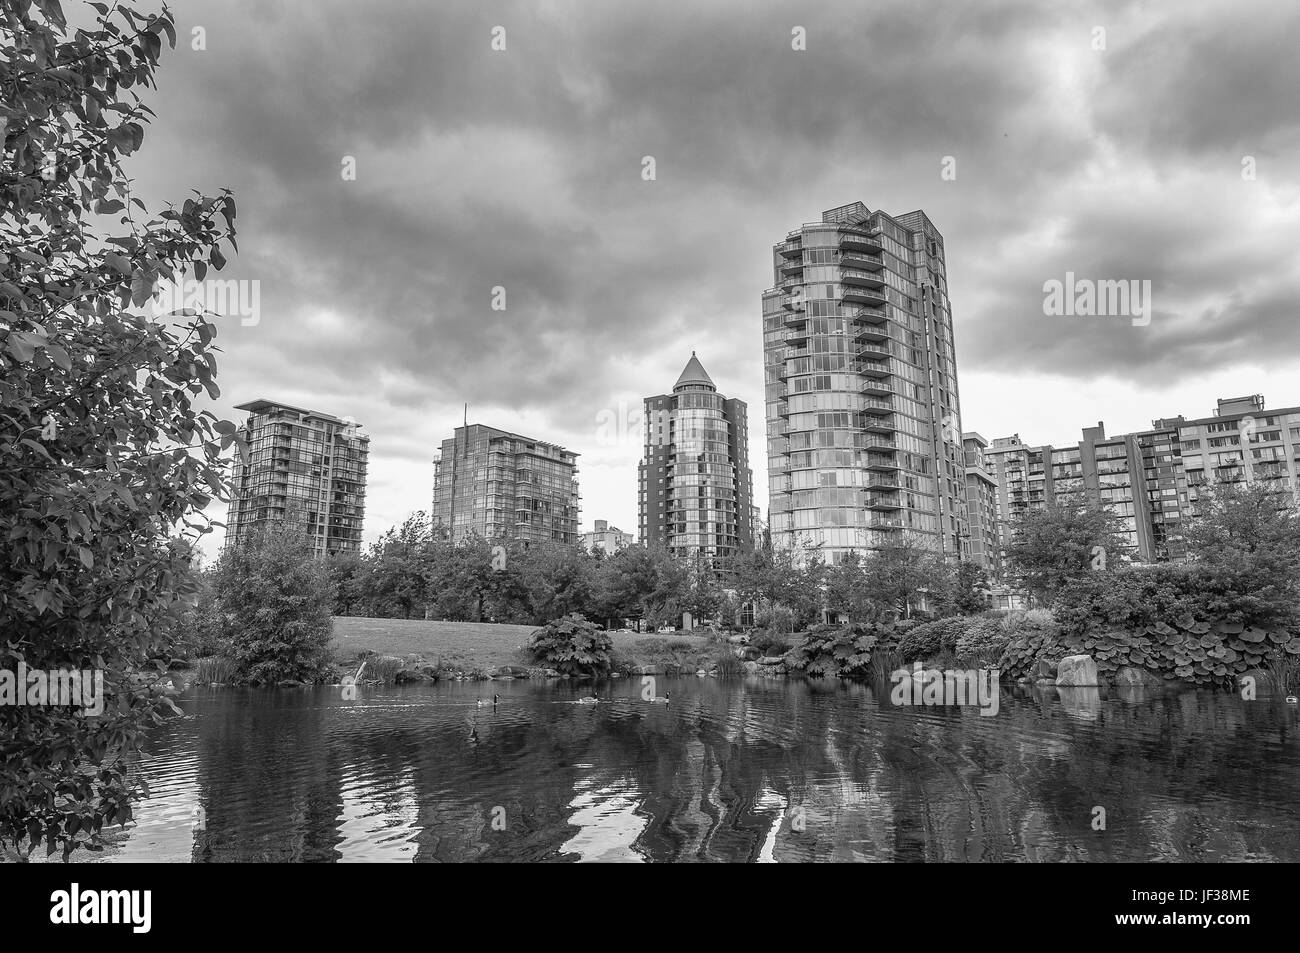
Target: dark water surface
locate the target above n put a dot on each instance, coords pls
(728, 770)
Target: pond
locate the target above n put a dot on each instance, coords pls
(741, 769)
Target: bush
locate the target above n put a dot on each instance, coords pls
(198, 631)
(930, 639)
(771, 643)
(1031, 636)
(275, 599)
(573, 646)
(841, 651)
(982, 643)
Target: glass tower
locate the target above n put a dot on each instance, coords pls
(862, 408)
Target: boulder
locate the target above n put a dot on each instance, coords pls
(751, 668)
(1077, 671)
(1130, 676)
(772, 660)
(738, 639)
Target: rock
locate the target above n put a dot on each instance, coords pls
(615, 674)
(646, 670)
(289, 683)
(751, 668)
(409, 675)
(738, 639)
(772, 660)
(510, 671)
(1077, 671)
(1130, 676)
(700, 673)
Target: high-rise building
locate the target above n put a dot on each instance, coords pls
(981, 506)
(862, 406)
(501, 485)
(305, 469)
(695, 483)
(604, 537)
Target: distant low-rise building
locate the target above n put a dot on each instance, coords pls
(607, 538)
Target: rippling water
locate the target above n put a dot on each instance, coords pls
(728, 770)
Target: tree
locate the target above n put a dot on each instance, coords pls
(1245, 543)
(848, 590)
(1063, 541)
(901, 571)
(962, 590)
(276, 601)
(350, 574)
(109, 459)
(400, 562)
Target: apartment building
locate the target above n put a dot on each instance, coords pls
(305, 469)
(502, 485)
(695, 487)
(609, 539)
(862, 404)
(981, 505)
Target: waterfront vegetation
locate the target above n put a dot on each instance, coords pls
(109, 459)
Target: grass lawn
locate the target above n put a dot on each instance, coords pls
(468, 644)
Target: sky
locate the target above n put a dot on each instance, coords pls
(1141, 141)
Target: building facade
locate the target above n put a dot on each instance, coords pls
(1151, 480)
(862, 405)
(608, 538)
(502, 485)
(981, 506)
(305, 469)
(695, 487)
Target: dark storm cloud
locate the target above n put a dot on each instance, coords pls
(521, 169)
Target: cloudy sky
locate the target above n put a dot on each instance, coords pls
(1152, 141)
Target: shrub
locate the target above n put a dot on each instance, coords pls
(275, 599)
(842, 651)
(771, 643)
(982, 643)
(1031, 636)
(573, 646)
(931, 638)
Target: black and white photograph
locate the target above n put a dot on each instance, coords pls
(739, 431)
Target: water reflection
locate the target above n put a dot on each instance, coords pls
(734, 770)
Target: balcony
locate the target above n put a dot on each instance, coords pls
(860, 241)
(872, 334)
(881, 480)
(885, 523)
(878, 444)
(858, 276)
(883, 501)
(791, 247)
(872, 403)
(874, 368)
(869, 316)
(796, 338)
(792, 321)
(883, 423)
(789, 304)
(877, 388)
(867, 262)
(875, 353)
(882, 461)
(853, 294)
(791, 266)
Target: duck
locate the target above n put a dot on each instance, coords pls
(483, 702)
(588, 700)
(663, 700)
